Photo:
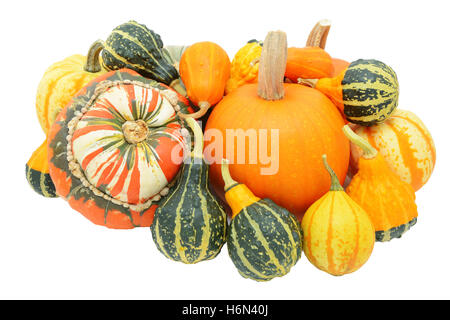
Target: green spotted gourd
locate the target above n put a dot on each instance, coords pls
(264, 239)
(134, 46)
(190, 225)
(366, 92)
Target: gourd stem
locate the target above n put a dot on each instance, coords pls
(178, 87)
(272, 66)
(229, 182)
(319, 34)
(309, 82)
(369, 152)
(92, 59)
(203, 105)
(335, 184)
(198, 138)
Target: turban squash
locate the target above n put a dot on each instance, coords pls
(111, 150)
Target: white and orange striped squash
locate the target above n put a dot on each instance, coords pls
(406, 145)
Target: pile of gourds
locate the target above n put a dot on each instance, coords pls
(123, 148)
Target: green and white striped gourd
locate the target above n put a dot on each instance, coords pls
(370, 92)
(190, 225)
(264, 239)
(134, 46)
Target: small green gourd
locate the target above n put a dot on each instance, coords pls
(264, 240)
(190, 225)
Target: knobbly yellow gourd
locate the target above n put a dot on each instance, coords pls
(338, 234)
(387, 199)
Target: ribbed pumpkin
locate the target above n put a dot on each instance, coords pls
(245, 65)
(366, 92)
(406, 145)
(338, 234)
(190, 225)
(60, 83)
(204, 70)
(134, 46)
(36, 171)
(300, 124)
(387, 199)
(110, 150)
(265, 240)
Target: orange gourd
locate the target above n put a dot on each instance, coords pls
(406, 145)
(274, 135)
(308, 63)
(389, 201)
(204, 70)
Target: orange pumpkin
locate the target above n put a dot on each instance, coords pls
(204, 70)
(308, 63)
(300, 125)
(339, 65)
(406, 145)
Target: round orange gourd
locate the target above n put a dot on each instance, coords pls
(389, 201)
(406, 145)
(338, 234)
(299, 124)
(308, 63)
(204, 70)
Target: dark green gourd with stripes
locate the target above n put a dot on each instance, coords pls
(370, 92)
(132, 45)
(264, 239)
(190, 225)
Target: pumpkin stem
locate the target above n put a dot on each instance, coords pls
(178, 87)
(203, 105)
(229, 182)
(92, 59)
(335, 184)
(318, 35)
(198, 138)
(272, 66)
(369, 152)
(308, 82)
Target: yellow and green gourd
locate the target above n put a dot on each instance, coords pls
(338, 234)
(60, 83)
(264, 239)
(190, 225)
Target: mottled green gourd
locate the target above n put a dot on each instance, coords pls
(132, 45)
(190, 225)
(264, 240)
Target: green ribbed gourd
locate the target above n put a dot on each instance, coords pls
(264, 239)
(190, 225)
(370, 92)
(134, 46)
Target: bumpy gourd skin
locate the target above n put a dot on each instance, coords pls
(264, 241)
(190, 225)
(389, 201)
(245, 65)
(60, 83)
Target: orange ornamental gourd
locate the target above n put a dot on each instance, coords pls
(274, 135)
(318, 38)
(116, 149)
(389, 201)
(60, 83)
(245, 65)
(406, 145)
(204, 70)
(338, 234)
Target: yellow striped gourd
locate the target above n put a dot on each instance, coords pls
(338, 234)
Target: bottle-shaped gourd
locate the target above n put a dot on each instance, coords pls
(366, 92)
(190, 225)
(387, 199)
(338, 234)
(264, 240)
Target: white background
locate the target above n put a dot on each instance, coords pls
(47, 250)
